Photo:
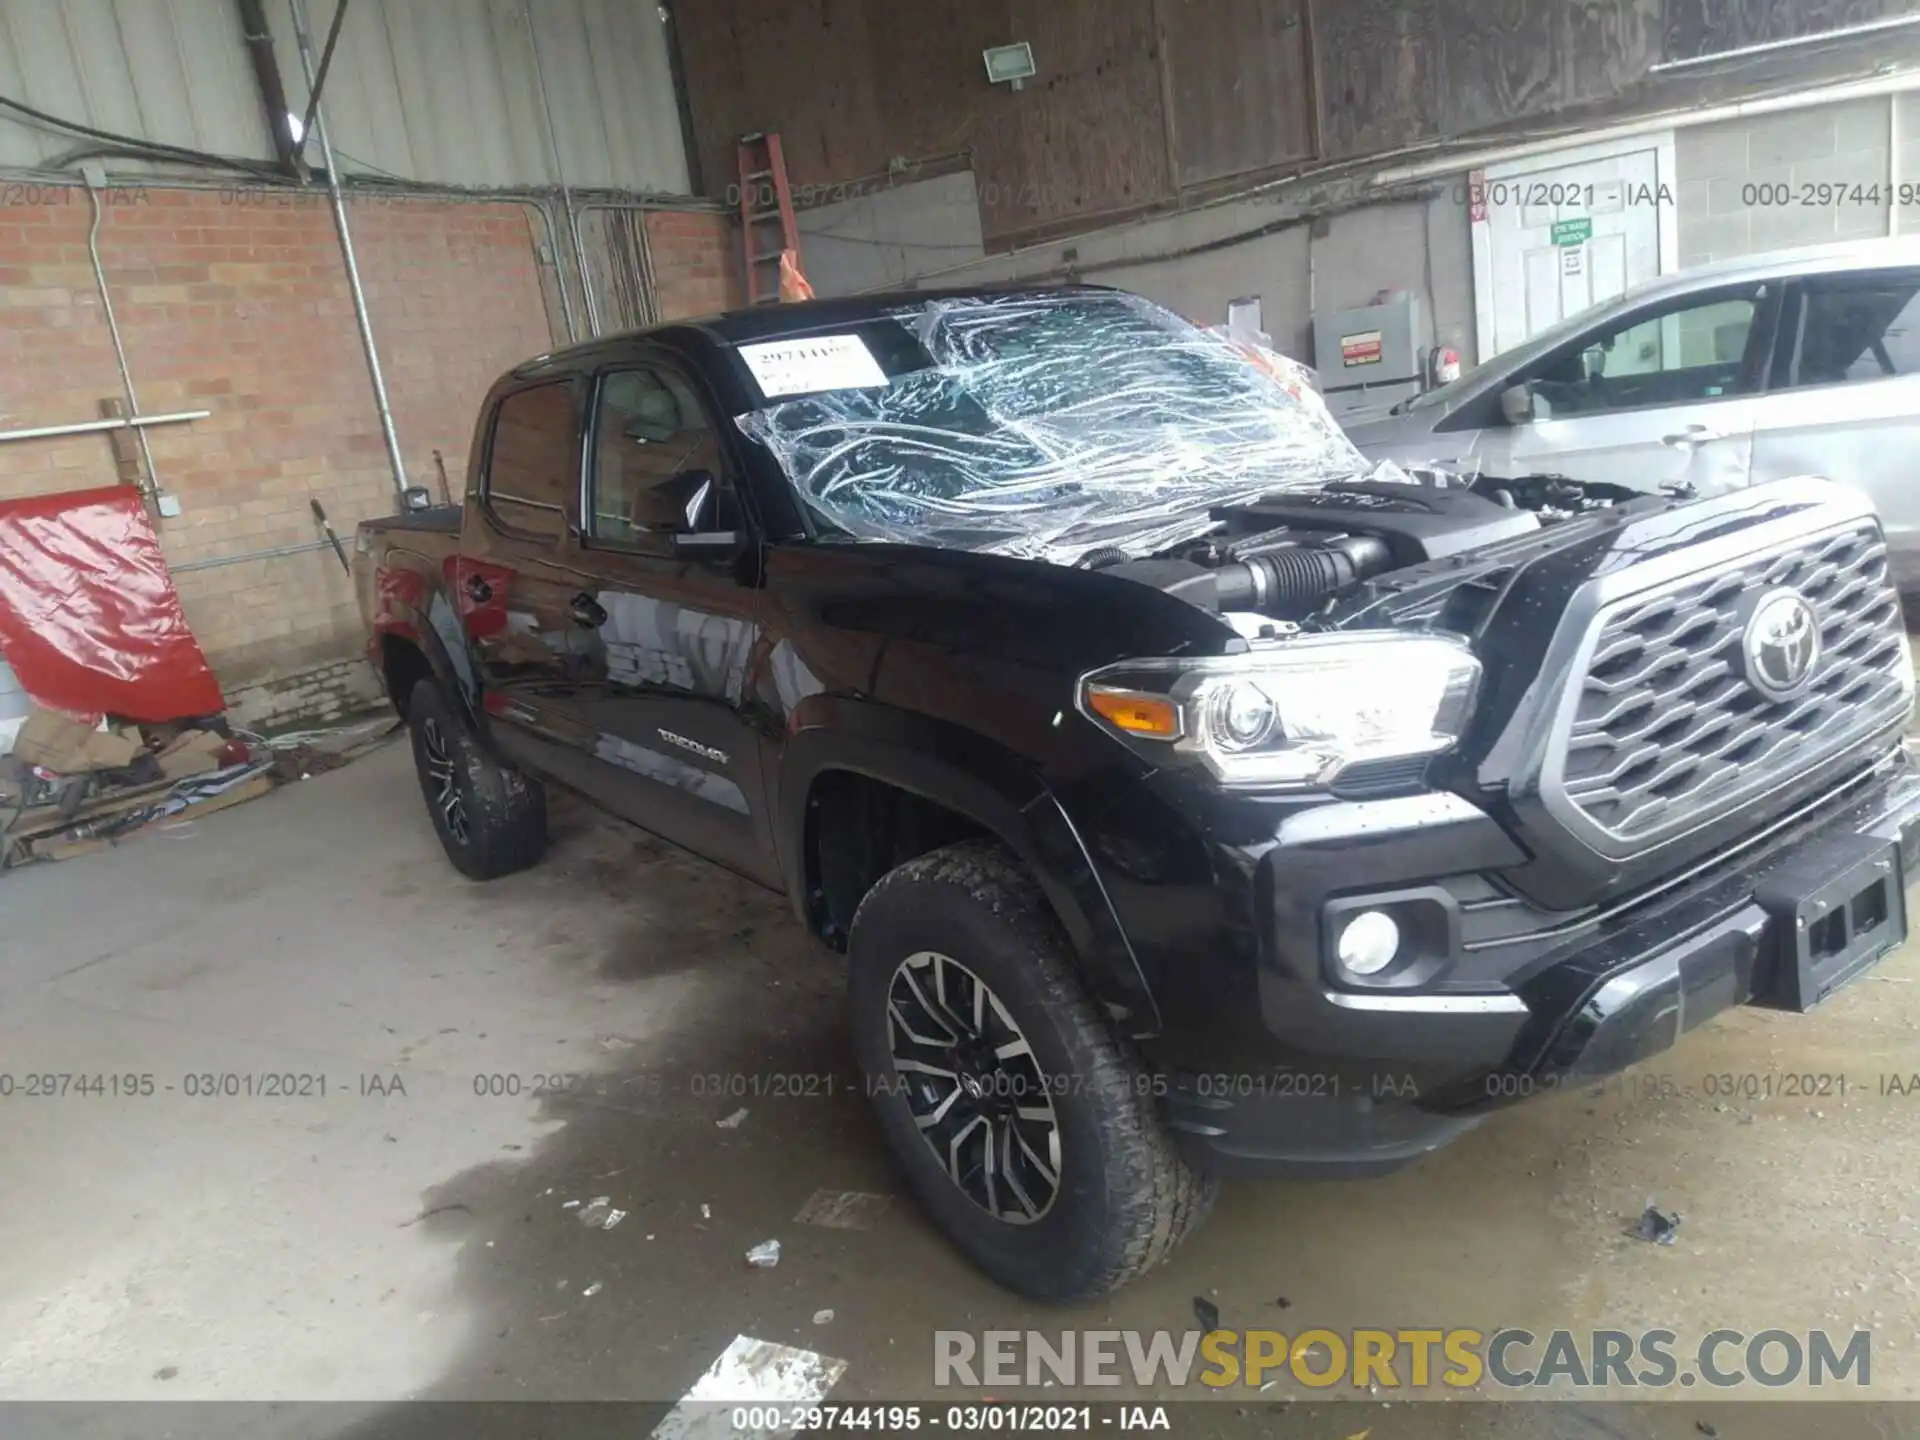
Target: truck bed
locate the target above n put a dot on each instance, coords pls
(439, 520)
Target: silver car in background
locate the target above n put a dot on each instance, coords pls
(1796, 363)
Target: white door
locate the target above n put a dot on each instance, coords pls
(1848, 403)
(1666, 394)
(1555, 235)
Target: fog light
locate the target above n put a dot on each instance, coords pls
(1369, 943)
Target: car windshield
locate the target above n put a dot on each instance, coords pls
(1045, 425)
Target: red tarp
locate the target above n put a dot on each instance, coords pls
(89, 618)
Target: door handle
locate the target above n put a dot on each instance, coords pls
(478, 590)
(587, 611)
(1691, 436)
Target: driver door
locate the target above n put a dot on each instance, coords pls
(1668, 395)
(672, 572)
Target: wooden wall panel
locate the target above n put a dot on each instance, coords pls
(1606, 45)
(1499, 58)
(1708, 27)
(1137, 100)
(1240, 80)
(802, 67)
(1379, 79)
(1087, 136)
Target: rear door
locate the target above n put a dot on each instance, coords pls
(517, 577)
(1665, 394)
(1846, 399)
(675, 725)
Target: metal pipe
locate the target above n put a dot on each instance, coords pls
(275, 553)
(305, 43)
(152, 487)
(89, 427)
(320, 77)
(560, 175)
(649, 287)
(266, 76)
(559, 268)
(1768, 47)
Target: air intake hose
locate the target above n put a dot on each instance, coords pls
(1293, 581)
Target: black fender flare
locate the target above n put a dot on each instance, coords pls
(427, 633)
(988, 784)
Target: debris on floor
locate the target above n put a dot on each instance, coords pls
(1657, 1226)
(732, 1122)
(765, 1255)
(594, 1213)
(592, 1290)
(1207, 1313)
(842, 1209)
(823, 1317)
(74, 785)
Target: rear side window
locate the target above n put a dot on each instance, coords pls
(533, 464)
(1863, 330)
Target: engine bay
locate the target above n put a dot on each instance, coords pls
(1284, 556)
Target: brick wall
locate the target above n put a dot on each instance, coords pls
(236, 302)
(696, 262)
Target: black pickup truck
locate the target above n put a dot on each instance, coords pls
(1188, 798)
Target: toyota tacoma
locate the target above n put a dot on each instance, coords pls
(1188, 797)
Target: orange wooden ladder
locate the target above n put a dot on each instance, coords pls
(765, 199)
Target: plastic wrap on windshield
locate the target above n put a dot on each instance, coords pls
(1053, 426)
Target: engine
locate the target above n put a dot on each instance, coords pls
(1285, 555)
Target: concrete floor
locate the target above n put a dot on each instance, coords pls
(377, 1247)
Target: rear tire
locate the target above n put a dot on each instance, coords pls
(1079, 1188)
(491, 819)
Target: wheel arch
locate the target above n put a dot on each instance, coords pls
(981, 788)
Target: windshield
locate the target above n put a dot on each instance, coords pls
(1039, 425)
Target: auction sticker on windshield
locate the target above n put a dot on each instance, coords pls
(820, 362)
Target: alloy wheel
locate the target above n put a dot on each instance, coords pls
(974, 1087)
(447, 796)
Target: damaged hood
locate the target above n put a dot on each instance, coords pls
(1046, 427)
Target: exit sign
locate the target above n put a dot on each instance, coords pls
(1572, 232)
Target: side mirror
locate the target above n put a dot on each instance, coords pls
(1516, 403)
(694, 535)
(709, 544)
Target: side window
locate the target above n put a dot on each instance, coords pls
(532, 463)
(1860, 331)
(1692, 351)
(656, 462)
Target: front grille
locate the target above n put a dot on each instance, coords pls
(1667, 728)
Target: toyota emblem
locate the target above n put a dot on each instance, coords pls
(1781, 645)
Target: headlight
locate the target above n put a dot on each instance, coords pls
(1296, 714)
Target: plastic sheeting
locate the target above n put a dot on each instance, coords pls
(89, 618)
(1049, 426)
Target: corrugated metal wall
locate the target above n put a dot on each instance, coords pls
(168, 70)
(441, 91)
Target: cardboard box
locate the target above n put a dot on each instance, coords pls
(195, 752)
(71, 746)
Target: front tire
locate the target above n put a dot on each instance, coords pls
(491, 819)
(1022, 1125)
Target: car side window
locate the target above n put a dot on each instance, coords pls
(1695, 350)
(657, 468)
(1851, 331)
(533, 460)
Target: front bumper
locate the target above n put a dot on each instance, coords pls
(1367, 1081)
